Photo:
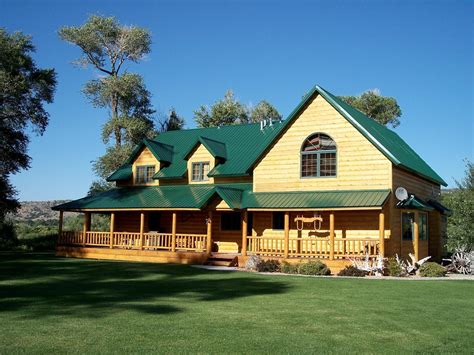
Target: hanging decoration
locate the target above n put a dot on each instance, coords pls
(317, 221)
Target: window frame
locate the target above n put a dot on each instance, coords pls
(145, 180)
(318, 158)
(201, 176)
(411, 225)
(426, 234)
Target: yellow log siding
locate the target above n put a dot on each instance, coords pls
(146, 157)
(425, 190)
(200, 154)
(359, 164)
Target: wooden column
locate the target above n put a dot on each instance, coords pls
(142, 228)
(86, 227)
(331, 236)
(173, 233)
(112, 227)
(209, 233)
(416, 236)
(244, 232)
(382, 234)
(287, 233)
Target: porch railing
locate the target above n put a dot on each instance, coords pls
(313, 247)
(126, 240)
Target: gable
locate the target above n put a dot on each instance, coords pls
(200, 154)
(360, 165)
(145, 157)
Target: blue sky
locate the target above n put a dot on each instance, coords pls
(420, 52)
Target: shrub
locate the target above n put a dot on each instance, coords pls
(252, 262)
(269, 266)
(392, 268)
(351, 270)
(431, 269)
(288, 268)
(8, 238)
(313, 268)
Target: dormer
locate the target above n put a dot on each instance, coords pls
(202, 158)
(145, 161)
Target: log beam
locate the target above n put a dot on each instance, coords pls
(287, 233)
(142, 229)
(382, 234)
(244, 232)
(331, 236)
(173, 233)
(416, 236)
(112, 226)
(209, 233)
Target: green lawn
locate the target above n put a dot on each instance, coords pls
(50, 304)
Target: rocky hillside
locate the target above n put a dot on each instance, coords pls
(38, 211)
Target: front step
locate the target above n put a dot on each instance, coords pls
(222, 259)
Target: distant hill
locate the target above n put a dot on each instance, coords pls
(38, 211)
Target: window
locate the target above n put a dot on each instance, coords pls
(407, 225)
(423, 228)
(230, 221)
(278, 220)
(144, 174)
(199, 171)
(318, 156)
(154, 221)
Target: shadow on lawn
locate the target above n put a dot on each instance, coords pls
(43, 285)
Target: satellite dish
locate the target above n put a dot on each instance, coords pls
(401, 193)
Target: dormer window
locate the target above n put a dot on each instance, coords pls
(199, 171)
(144, 174)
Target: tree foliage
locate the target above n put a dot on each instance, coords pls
(229, 111)
(173, 122)
(382, 109)
(460, 229)
(264, 110)
(107, 45)
(24, 90)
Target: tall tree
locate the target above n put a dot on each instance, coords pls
(229, 110)
(24, 89)
(263, 111)
(461, 222)
(107, 45)
(382, 109)
(173, 122)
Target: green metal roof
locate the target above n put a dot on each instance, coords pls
(237, 196)
(415, 203)
(123, 173)
(173, 196)
(243, 145)
(316, 199)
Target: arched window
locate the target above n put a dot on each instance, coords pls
(318, 156)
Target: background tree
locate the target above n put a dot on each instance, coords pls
(229, 110)
(172, 123)
(24, 89)
(264, 110)
(107, 46)
(460, 231)
(382, 109)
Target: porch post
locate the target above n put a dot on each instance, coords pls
(209, 233)
(416, 236)
(287, 233)
(112, 227)
(173, 233)
(244, 232)
(331, 236)
(86, 227)
(142, 227)
(382, 234)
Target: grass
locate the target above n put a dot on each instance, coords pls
(50, 304)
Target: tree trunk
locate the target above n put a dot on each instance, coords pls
(117, 130)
